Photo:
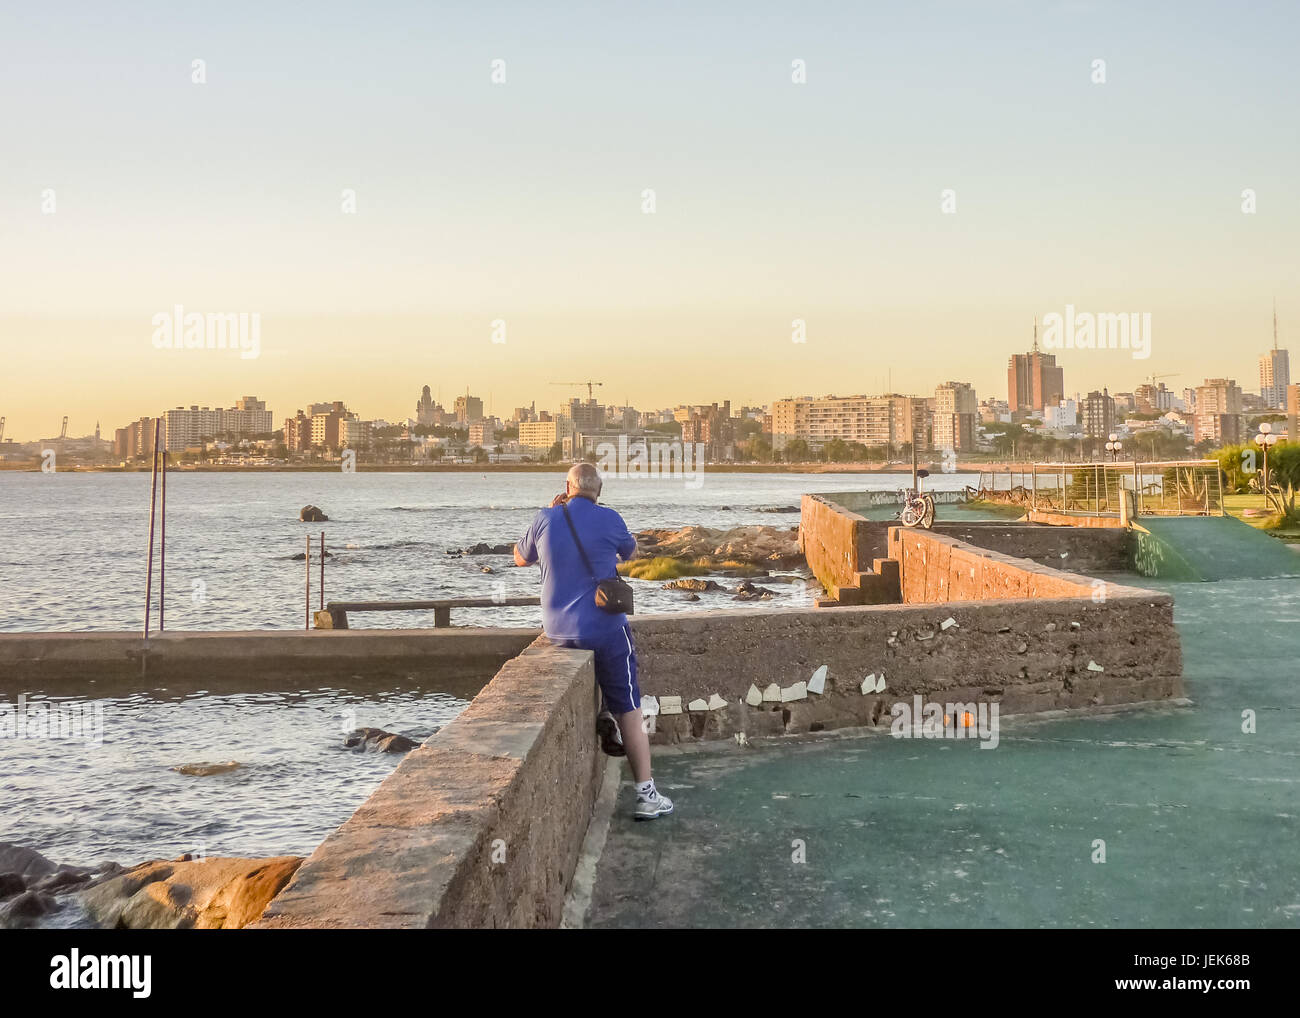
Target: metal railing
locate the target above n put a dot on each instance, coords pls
(1158, 488)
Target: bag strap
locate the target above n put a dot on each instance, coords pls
(581, 550)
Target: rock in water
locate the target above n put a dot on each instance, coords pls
(207, 894)
(310, 514)
(694, 583)
(26, 862)
(376, 740)
(26, 907)
(203, 770)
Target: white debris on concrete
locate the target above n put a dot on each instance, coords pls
(817, 684)
(799, 691)
(670, 705)
(754, 697)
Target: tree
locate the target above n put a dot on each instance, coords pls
(797, 451)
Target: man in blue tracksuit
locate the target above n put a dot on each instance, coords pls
(572, 619)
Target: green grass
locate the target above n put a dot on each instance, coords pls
(669, 567)
(1275, 524)
(1012, 512)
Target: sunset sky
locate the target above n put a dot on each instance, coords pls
(522, 201)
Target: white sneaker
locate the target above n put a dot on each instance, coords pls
(648, 809)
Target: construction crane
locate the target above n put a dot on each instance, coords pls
(589, 384)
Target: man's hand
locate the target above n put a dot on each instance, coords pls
(519, 559)
(560, 499)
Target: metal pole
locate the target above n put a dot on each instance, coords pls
(153, 503)
(1137, 489)
(322, 570)
(307, 607)
(162, 548)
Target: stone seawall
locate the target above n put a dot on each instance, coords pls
(1077, 549)
(480, 826)
(836, 542)
(1027, 655)
(455, 661)
(938, 568)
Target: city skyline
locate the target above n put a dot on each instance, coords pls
(1125, 376)
(525, 197)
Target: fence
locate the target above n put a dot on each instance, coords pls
(1160, 488)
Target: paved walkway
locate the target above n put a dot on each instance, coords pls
(1201, 822)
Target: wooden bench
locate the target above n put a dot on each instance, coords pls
(335, 613)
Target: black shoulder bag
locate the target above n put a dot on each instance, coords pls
(613, 595)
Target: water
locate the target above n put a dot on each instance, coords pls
(84, 803)
(73, 550)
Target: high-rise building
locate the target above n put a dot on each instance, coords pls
(297, 432)
(955, 412)
(1097, 414)
(468, 409)
(135, 440)
(537, 437)
(870, 420)
(1274, 373)
(712, 427)
(1218, 411)
(1153, 399)
(586, 415)
(1033, 380)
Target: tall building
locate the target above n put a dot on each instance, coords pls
(468, 409)
(870, 420)
(297, 432)
(427, 412)
(1097, 414)
(185, 428)
(1293, 412)
(1033, 380)
(955, 412)
(1218, 411)
(537, 437)
(1274, 373)
(586, 415)
(135, 440)
(1153, 399)
(711, 427)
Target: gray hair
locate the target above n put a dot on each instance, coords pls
(586, 478)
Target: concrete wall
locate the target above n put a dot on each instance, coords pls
(838, 543)
(1027, 655)
(480, 826)
(1072, 548)
(935, 568)
(455, 661)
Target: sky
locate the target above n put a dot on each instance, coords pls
(128, 188)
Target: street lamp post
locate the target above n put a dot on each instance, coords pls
(1264, 439)
(1114, 446)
